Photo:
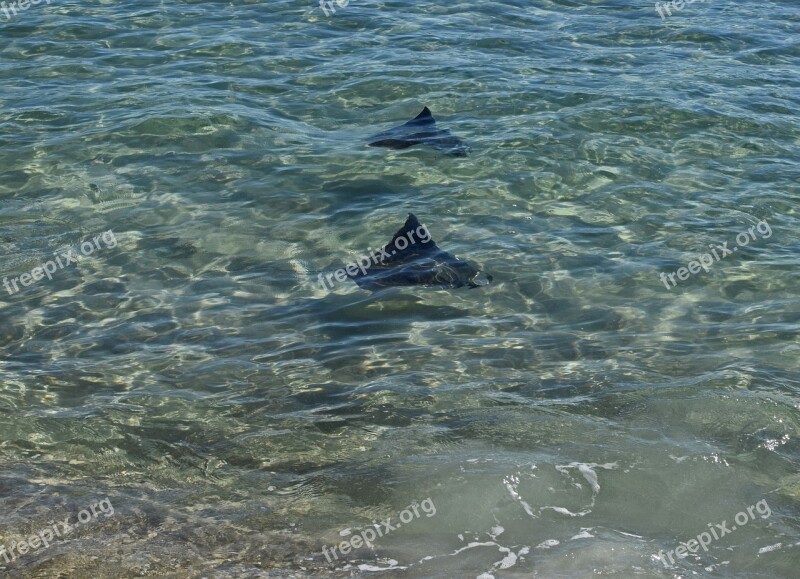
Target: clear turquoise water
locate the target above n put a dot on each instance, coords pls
(571, 420)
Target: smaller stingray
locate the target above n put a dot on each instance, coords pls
(421, 130)
(416, 261)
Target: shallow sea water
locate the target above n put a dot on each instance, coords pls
(575, 418)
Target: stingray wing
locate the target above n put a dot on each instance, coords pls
(419, 262)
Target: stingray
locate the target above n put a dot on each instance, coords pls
(412, 258)
(421, 130)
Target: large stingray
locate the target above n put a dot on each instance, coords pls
(416, 261)
(421, 130)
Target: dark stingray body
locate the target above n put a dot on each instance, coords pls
(421, 130)
(420, 263)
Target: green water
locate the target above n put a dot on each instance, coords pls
(575, 418)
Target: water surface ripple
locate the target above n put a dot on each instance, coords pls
(577, 417)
